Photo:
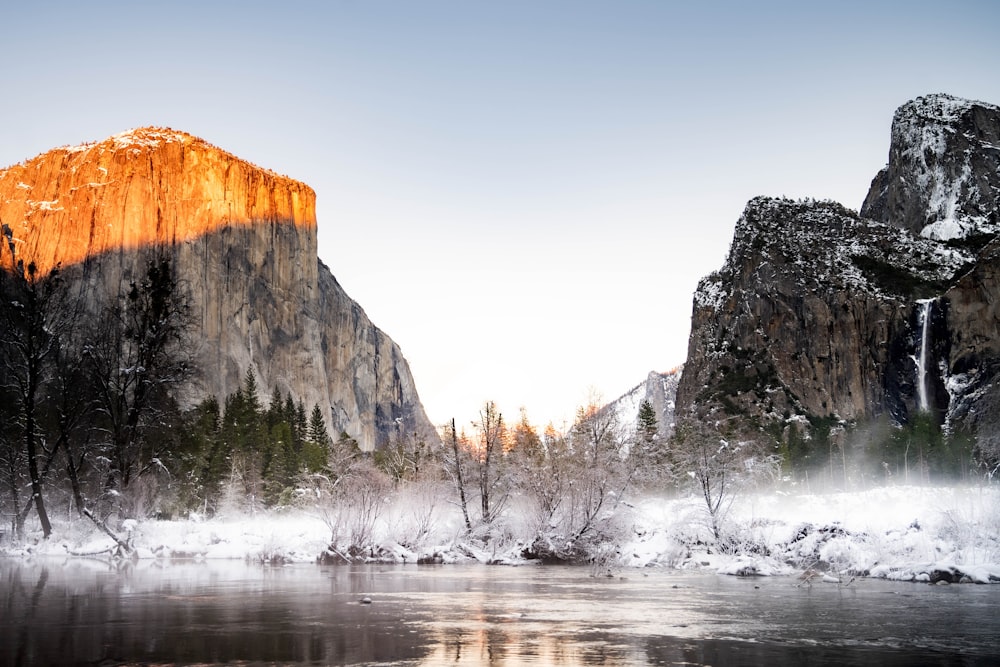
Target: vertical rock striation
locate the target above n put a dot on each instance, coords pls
(244, 242)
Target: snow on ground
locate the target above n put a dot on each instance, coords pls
(902, 532)
(908, 533)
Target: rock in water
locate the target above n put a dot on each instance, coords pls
(243, 240)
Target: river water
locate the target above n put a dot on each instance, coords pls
(85, 612)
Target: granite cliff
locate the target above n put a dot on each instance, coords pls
(243, 240)
(822, 315)
(942, 180)
(660, 390)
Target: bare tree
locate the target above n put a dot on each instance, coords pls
(456, 464)
(72, 407)
(350, 505)
(31, 326)
(365, 494)
(403, 456)
(603, 472)
(719, 467)
(418, 502)
(488, 457)
(136, 356)
(546, 479)
(580, 485)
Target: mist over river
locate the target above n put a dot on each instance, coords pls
(90, 612)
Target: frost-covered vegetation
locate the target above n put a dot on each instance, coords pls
(96, 458)
(602, 494)
(910, 533)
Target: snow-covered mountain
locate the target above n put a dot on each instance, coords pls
(943, 177)
(821, 315)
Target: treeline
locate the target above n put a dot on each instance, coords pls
(569, 488)
(89, 427)
(561, 496)
(246, 454)
(879, 451)
(88, 421)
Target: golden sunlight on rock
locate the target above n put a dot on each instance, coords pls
(149, 186)
(243, 242)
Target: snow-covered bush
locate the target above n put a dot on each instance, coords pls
(350, 506)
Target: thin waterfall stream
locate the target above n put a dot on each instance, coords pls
(924, 319)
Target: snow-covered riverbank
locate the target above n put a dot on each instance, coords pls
(909, 533)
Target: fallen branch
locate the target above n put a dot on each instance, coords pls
(88, 553)
(124, 548)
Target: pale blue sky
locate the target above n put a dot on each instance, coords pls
(522, 194)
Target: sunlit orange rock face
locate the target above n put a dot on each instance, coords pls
(143, 187)
(243, 241)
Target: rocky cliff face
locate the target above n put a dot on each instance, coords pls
(822, 313)
(660, 389)
(244, 243)
(813, 314)
(943, 176)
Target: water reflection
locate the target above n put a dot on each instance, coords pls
(87, 612)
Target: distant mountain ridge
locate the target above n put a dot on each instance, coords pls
(243, 240)
(660, 389)
(820, 313)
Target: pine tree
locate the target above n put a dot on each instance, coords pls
(648, 453)
(647, 426)
(317, 433)
(288, 415)
(280, 464)
(275, 409)
(250, 393)
(204, 458)
(245, 433)
(300, 423)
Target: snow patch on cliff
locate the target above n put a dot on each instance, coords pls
(149, 137)
(711, 293)
(926, 128)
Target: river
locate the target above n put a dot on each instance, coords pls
(86, 612)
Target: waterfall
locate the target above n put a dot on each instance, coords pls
(922, 352)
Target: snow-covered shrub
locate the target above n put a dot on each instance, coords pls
(271, 552)
(751, 538)
(417, 510)
(350, 506)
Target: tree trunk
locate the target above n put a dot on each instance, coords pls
(17, 521)
(74, 478)
(32, 451)
(458, 477)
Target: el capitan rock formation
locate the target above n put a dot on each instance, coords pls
(243, 240)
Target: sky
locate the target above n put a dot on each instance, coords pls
(522, 194)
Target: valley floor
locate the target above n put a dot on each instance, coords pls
(919, 533)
